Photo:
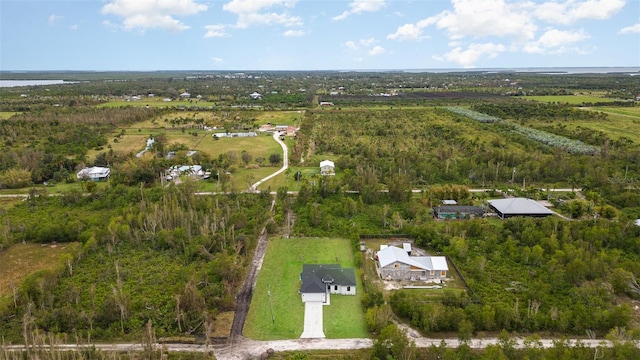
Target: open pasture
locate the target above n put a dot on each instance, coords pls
(7, 114)
(279, 117)
(571, 99)
(21, 260)
(621, 122)
(280, 277)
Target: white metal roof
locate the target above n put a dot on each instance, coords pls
(392, 254)
(327, 163)
(94, 172)
(519, 206)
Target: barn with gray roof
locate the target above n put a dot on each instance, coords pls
(518, 207)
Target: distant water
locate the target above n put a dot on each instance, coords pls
(17, 83)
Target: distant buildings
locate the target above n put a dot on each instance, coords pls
(95, 173)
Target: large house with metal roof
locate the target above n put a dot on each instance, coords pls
(394, 263)
(518, 207)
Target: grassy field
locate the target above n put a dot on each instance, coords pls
(280, 275)
(571, 99)
(7, 114)
(279, 117)
(621, 122)
(20, 260)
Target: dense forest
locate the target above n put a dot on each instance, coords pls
(163, 255)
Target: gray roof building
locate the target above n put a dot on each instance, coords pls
(316, 277)
(457, 211)
(518, 207)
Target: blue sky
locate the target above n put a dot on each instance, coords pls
(317, 35)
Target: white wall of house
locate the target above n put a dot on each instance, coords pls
(343, 289)
(327, 170)
(401, 271)
(308, 297)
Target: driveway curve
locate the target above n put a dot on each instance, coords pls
(285, 162)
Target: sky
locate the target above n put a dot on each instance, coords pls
(261, 35)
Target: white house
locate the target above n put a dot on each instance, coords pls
(185, 95)
(190, 170)
(321, 280)
(95, 173)
(327, 167)
(395, 264)
(255, 96)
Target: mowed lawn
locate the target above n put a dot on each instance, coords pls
(21, 260)
(280, 276)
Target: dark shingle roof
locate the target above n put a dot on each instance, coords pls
(315, 277)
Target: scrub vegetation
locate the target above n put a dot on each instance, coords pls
(149, 256)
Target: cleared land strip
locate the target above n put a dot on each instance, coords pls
(244, 348)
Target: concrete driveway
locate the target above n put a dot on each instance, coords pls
(313, 327)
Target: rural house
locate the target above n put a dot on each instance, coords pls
(518, 207)
(321, 280)
(457, 212)
(394, 263)
(176, 171)
(95, 173)
(255, 96)
(327, 167)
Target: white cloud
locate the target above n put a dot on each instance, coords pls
(570, 11)
(215, 31)
(406, 32)
(149, 14)
(251, 13)
(217, 60)
(555, 41)
(367, 42)
(472, 18)
(351, 45)
(633, 29)
(376, 50)
(360, 6)
(518, 21)
(73, 27)
(53, 19)
(468, 57)
(293, 33)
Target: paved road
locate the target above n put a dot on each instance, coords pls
(285, 162)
